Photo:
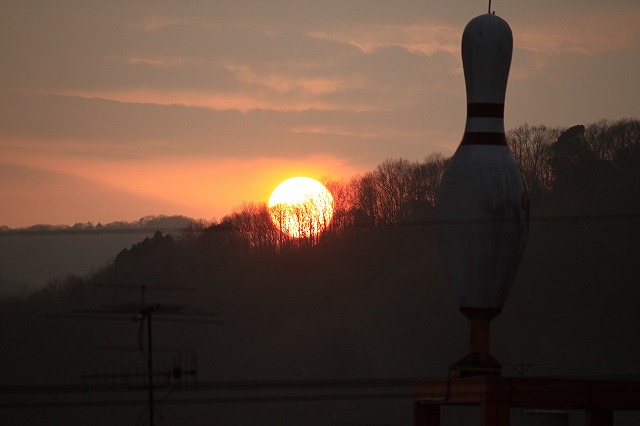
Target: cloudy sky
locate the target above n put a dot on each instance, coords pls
(115, 110)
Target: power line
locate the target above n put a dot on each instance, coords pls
(305, 389)
(312, 384)
(225, 228)
(242, 385)
(212, 400)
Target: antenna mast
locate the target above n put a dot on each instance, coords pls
(489, 11)
(145, 312)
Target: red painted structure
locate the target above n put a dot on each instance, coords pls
(496, 395)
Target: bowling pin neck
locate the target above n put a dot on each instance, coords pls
(487, 45)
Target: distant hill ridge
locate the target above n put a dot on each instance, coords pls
(155, 222)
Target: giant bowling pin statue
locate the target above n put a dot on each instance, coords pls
(482, 203)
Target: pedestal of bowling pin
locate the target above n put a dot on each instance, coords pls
(483, 209)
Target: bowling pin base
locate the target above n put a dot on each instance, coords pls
(478, 361)
(473, 365)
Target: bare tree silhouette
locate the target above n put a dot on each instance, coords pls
(531, 145)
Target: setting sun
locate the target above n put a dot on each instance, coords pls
(301, 207)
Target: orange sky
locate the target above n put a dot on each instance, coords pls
(114, 111)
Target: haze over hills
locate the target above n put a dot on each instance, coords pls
(367, 299)
(31, 256)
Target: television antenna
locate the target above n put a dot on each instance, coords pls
(146, 313)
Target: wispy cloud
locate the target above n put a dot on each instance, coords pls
(287, 80)
(156, 61)
(584, 34)
(156, 22)
(217, 101)
(365, 132)
(426, 40)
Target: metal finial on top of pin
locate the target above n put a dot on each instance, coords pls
(482, 203)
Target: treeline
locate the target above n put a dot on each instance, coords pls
(576, 171)
(589, 169)
(581, 170)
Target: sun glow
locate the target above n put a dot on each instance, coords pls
(301, 207)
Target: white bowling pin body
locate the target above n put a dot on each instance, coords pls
(483, 202)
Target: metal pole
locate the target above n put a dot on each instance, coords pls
(150, 369)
